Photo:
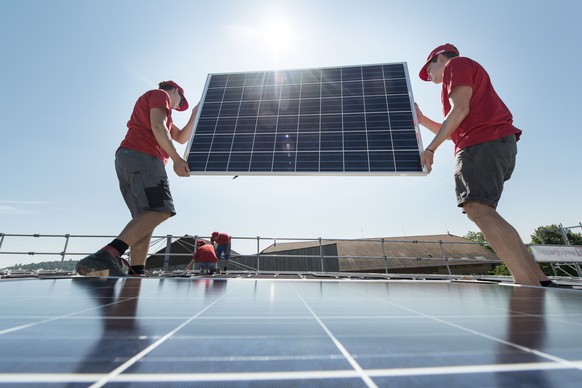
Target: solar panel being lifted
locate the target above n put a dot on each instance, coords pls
(354, 120)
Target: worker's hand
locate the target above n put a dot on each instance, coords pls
(426, 159)
(181, 167)
(419, 114)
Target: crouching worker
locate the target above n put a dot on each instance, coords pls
(205, 257)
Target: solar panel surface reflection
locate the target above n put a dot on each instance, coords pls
(343, 120)
(262, 331)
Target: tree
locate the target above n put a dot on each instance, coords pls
(66, 265)
(552, 235)
(549, 235)
(478, 238)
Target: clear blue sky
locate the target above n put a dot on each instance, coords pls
(72, 71)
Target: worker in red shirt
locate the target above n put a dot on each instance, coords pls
(481, 127)
(205, 256)
(222, 242)
(140, 164)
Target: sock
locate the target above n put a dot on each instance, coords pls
(138, 269)
(119, 246)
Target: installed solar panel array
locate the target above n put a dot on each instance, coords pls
(348, 120)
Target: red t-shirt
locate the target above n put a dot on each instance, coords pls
(140, 136)
(206, 254)
(488, 119)
(222, 239)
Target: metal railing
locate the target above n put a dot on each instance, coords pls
(21, 247)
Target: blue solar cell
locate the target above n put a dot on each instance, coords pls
(307, 161)
(308, 141)
(217, 161)
(356, 161)
(221, 143)
(239, 161)
(331, 75)
(235, 80)
(229, 109)
(243, 142)
(379, 140)
(284, 161)
(311, 76)
(331, 89)
(372, 72)
(261, 161)
(202, 144)
(311, 91)
(332, 141)
(355, 119)
(331, 123)
(376, 104)
(353, 104)
(218, 81)
(351, 89)
(391, 71)
(398, 103)
(380, 159)
(232, 94)
(352, 74)
(331, 105)
(332, 161)
(355, 141)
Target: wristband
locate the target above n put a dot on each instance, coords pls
(429, 150)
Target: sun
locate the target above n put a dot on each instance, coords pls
(277, 34)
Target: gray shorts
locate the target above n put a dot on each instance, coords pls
(143, 182)
(481, 170)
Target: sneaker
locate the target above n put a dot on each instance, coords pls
(100, 263)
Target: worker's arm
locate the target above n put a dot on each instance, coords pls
(460, 99)
(183, 135)
(158, 119)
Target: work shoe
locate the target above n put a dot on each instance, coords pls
(100, 263)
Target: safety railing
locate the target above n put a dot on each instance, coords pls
(251, 254)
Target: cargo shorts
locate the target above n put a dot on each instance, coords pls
(482, 169)
(143, 182)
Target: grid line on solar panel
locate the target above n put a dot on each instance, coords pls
(351, 119)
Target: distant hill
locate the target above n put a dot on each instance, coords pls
(67, 265)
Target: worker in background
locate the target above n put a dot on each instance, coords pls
(222, 242)
(205, 257)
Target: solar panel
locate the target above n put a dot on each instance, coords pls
(267, 332)
(355, 120)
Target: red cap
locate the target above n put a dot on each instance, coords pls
(199, 243)
(445, 48)
(184, 105)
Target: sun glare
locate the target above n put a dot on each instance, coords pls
(277, 34)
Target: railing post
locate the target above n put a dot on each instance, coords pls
(168, 251)
(564, 235)
(385, 258)
(446, 258)
(258, 253)
(1, 239)
(64, 252)
(320, 255)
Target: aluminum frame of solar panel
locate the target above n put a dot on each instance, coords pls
(352, 120)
